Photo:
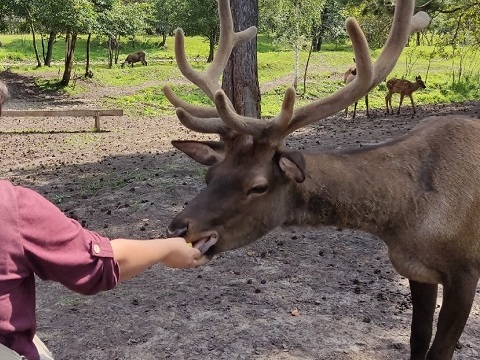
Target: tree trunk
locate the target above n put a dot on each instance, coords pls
(296, 47)
(32, 28)
(211, 49)
(306, 69)
(116, 49)
(87, 63)
(43, 48)
(111, 46)
(240, 78)
(71, 40)
(51, 41)
(164, 39)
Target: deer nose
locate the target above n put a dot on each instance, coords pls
(179, 232)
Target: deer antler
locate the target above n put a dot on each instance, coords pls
(208, 81)
(368, 76)
(403, 25)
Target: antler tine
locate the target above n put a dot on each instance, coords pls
(352, 92)
(402, 26)
(227, 41)
(269, 130)
(208, 81)
(198, 110)
(212, 125)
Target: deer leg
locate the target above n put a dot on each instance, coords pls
(424, 299)
(458, 295)
(346, 111)
(354, 110)
(399, 105)
(413, 105)
(388, 101)
(366, 104)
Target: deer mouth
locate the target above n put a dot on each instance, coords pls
(205, 244)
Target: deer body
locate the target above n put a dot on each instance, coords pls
(399, 191)
(4, 95)
(348, 77)
(404, 88)
(135, 57)
(419, 193)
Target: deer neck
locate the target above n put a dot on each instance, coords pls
(342, 190)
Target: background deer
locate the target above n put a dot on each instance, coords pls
(402, 87)
(348, 77)
(419, 193)
(132, 58)
(3, 95)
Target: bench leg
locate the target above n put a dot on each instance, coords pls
(97, 122)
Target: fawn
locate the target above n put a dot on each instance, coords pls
(402, 87)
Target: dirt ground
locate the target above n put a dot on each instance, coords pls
(295, 294)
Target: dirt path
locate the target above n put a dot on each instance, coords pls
(128, 181)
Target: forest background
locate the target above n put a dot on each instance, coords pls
(301, 42)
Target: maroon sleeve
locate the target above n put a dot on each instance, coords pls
(60, 249)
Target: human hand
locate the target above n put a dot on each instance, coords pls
(180, 255)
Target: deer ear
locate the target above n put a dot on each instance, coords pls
(293, 165)
(205, 152)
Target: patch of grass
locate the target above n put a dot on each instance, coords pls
(152, 102)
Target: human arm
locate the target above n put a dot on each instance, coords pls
(57, 248)
(135, 256)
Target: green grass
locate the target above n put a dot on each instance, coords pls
(275, 66)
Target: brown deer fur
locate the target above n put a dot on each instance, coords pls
(132, 58)
(419, 193)
(4, 95)
(404, 88)
(412, 192)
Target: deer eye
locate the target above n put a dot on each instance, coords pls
(258, 189)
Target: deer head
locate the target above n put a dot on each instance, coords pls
(253, 179)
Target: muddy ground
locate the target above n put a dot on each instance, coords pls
(295, 294)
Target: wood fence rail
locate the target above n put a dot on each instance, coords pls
(96, 113)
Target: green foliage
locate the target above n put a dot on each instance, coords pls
(75, 16)
(122, 19)
(289, 20)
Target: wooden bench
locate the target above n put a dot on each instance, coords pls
(96, 113)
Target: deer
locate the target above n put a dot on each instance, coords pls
(419, 193)
(348, 77)
(132, 58)
(4, 95)
(404, 88)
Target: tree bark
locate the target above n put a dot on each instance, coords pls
(34, 40)
(48, 56)
(32, 28)
(211, 49)
(71, 40)
(87, 64)
(110, 51)
(240, 78)
(116, 50)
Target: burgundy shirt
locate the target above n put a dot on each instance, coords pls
(37, 238)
